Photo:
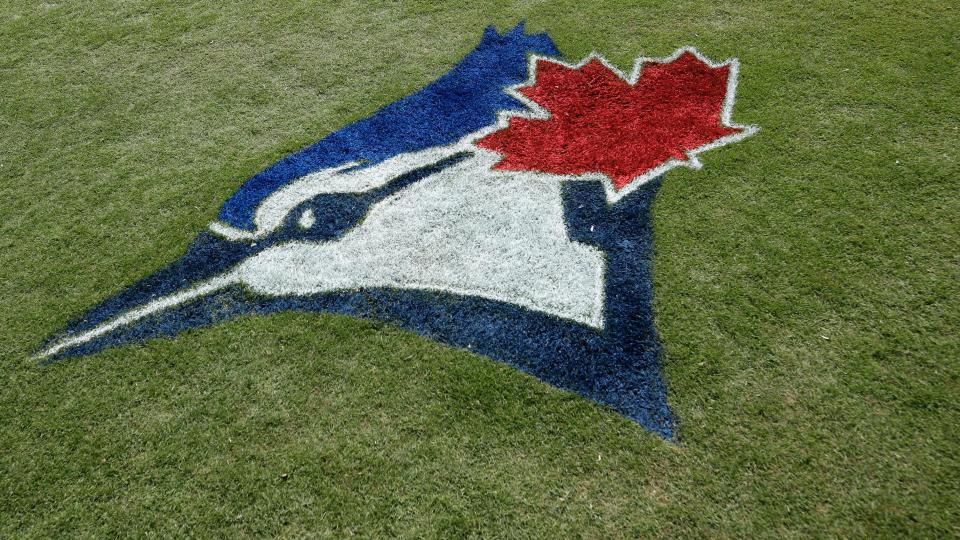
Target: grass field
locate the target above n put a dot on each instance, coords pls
(806, 286)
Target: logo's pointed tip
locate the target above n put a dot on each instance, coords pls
(133, 313)
(54, 348)
(48, 358)
(41, 357)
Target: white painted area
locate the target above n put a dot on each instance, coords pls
(467, 230)
(307, 219)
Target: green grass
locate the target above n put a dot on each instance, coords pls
(806, 287)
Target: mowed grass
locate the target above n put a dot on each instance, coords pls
(806, 286)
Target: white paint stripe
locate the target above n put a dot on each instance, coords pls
(149, 308)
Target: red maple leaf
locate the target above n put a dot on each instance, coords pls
(599, 122)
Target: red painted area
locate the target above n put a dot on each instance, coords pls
(601, 123)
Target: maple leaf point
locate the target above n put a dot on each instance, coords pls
(591, 119)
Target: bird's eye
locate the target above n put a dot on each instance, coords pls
(307, 219)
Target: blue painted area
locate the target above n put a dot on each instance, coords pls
(460, 102)
(618, 366)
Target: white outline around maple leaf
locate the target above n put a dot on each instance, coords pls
(538, 112)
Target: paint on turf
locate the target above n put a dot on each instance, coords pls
(504, 209)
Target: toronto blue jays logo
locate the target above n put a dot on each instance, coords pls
(505, 208)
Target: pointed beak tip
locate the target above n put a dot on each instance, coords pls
(45, 356)
(205, 268)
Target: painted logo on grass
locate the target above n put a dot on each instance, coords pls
(504, 208)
